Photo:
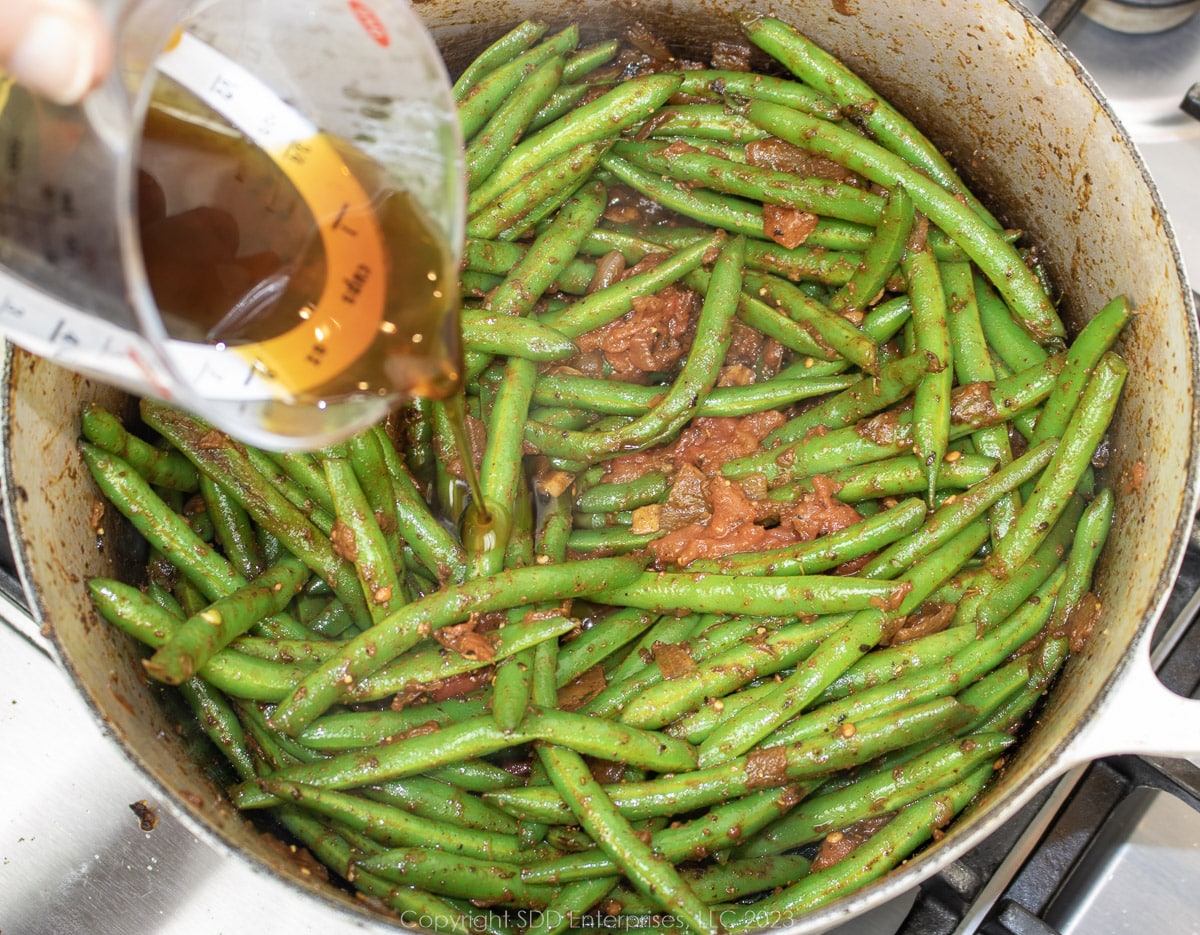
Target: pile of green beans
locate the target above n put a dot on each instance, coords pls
(508, 729)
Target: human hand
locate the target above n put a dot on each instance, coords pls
(59, 49)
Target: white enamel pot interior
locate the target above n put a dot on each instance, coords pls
(1032, 135)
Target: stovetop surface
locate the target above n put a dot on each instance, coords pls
(73, 858)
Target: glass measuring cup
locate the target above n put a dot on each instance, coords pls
(256, 217)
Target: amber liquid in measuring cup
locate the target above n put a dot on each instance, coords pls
(334, 298)
(236, 258)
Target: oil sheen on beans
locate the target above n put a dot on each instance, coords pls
(306, 262)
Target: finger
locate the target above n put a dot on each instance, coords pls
(59, 49)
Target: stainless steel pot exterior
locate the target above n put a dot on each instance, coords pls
(1009, 105)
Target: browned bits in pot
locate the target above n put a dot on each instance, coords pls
(579, 692)
(1082, 620)
(766, 766)
(343, 540)
(96, 519)
(1133, 479)
(674, 659)
(214, 441)
(788, 227)
(469, 639)
(838, 845)
(929, 618)
(147, 816)
(730, 56)
(972, 403)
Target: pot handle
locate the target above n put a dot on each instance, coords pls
(1140, 715)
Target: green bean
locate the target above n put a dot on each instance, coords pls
(486, 93)
(726, 212)
(434, 547)
(162, 467)
(227, 465)
(1085, 352)
(1053, 491)
(964, 667)
(1090, 536)
(164, 529)
(203, 635)
(997, 694)
(878, 793)
(884, 850)
(767, 766)
(599, 641)
(651, 487)
(890, 434)
(748, 594)
(655, 876)
(349, 729)
(586, 60)
(892, 477)
(827, 551)
(456, 875)
(896, 660)
(755, 183)
(803, 263)
(997, 599)
(499, 53)
(426, 665)
(511, 684)
(510, 120)
(500, 474)
(881, 259)
(695, 726)
(759, 655)
(868, 395)
(836, 654)
(612, 302)
(995, 257)
(669, 628)
(231, 672)
(973, 363)
(830, 77)
(614, 398)
(366, 547)
(413, 755)
(303, 469)
(491, 333)
(725, 881)
(516, 210)
(234, 531)
(626, 104)
(383, 642)
(608, 542)
(391, 826)
(739, 84)
(702, 122)
(1007, 339)
(838, 333)
(695, 380)
(573, 903)
(220, 724)
(931, 401)
(960, 510)
(408, 756)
